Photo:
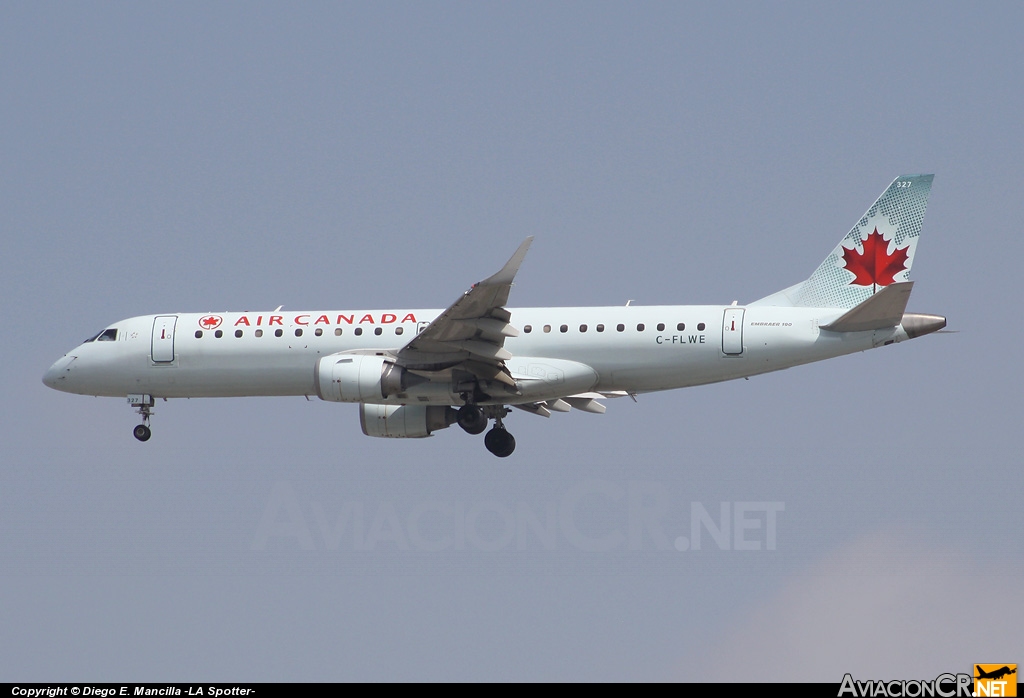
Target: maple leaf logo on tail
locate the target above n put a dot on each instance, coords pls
(875, 266)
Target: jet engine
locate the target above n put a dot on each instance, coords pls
(404, 421)
(360, 378)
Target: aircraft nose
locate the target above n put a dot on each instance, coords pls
(50, 378)
(56, 376)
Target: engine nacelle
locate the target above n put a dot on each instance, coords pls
(360, 378)
(404, 421)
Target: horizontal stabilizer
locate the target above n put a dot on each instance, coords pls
(883, 309)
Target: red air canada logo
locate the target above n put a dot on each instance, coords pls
(210, 322)
(875, 266)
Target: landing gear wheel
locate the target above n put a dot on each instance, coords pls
(143, 405)
(472, 419)
(500, 442)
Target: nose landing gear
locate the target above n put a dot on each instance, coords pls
(143, 405)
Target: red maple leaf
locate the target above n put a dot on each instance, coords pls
(210, 321)
(875, 265)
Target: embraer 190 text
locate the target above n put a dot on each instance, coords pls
(414, 371)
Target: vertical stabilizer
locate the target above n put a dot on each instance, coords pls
(877, 252)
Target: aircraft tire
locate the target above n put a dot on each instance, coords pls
(500, 442)
(142, 432)
(472, 419)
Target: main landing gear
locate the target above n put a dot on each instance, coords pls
(143, 405)
(500, 442)
(473, 419)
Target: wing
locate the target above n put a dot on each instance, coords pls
(470, 335)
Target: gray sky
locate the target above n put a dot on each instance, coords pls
(196, 157)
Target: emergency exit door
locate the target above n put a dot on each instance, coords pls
(732, 332)
(163, 338)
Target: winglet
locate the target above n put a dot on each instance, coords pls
(508, 272)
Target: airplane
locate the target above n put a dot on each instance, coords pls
(995, 674)
(413, 372)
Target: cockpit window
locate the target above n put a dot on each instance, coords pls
(104, 336)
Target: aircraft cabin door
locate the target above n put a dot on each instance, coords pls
(732, 332)
(163, 338)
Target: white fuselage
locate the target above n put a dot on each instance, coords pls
(235, 354)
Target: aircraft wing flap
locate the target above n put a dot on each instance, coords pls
(489, 372)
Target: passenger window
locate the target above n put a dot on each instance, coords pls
(700, 326)
(620, 328)
(528, 329)
(238, 333)
(680, 327)
(563, 328)
(600, 328)
(583, 328)
(298, 333)
(278, 333)
(199, 334)
(640, 327)
(359, 331)
(337, 331)
(547, 328)
(319, 331)
(378, 330)
(218, 334)
(399, 330)
(661, 327)
(259, 333)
